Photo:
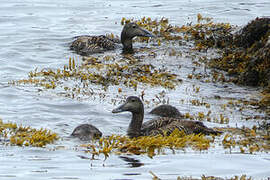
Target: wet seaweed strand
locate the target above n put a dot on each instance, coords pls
(150, 145)
(103, 74)
(26, 136)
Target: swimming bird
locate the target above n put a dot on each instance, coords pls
(137, 128)
(87, 45)
(86, 132)
(166, 110)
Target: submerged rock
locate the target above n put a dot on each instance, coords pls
(247, 56)
(252, 32)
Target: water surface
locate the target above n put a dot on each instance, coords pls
(36, 34)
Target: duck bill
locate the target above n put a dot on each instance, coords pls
(119, 109)
(145, 33)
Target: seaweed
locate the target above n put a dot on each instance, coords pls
(128, 73)
(150, 145)
(26, 136)
(247, 57)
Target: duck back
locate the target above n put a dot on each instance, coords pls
(87, 45)
(168, 125)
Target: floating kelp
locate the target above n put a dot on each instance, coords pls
(246, 140)
(128, 73)
(201, 116)
(150, 145)
(265, 101)
(26, 136)
(242, 140)
(245, 54)
(203, 177)
(204, 33)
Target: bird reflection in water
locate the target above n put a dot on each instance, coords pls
(131, 161)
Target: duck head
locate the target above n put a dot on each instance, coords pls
(86, 132)
(132, 104)
(130, 31)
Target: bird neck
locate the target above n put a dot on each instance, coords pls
(127, 43)
(134, 129)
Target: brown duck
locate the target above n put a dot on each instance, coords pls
(87, 45)
(137, 128)
(86, 132)
(166, 110)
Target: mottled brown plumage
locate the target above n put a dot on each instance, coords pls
(137, 128)
(86, 132)
(166, 110)
(87, 45)
(168, 125)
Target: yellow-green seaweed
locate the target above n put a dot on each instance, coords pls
(204, 177)
(26, 136)
(246, 140)
(115, 73)
(150, 145)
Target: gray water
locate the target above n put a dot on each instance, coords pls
(36, 34)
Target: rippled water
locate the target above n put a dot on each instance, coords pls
(36, 34)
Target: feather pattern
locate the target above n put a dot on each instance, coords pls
(160, 125)
(87, 45)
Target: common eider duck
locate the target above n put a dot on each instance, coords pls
(87, 45)
(166, 110)
(160, 125)
(86, 132)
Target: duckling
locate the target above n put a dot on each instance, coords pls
(86, 132)
(87, 45)
(160, 125)
(166, 110)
